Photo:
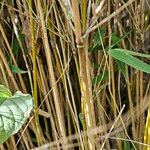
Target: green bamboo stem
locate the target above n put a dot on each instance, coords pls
(33, 47)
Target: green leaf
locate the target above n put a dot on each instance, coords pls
(14, 111)
(16, 69)
(4, 93)
(81, 118)
(100, 78)
(129, 59)
(95, 66)
(127, 145)
(15, 44)
(100, 34)
(101, 88)
(122, 67)
(133, 53)
(116, 39)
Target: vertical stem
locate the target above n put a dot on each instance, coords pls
(84, 13)
(86, 101)
(39, 140)
(56, 96)
(130, 102)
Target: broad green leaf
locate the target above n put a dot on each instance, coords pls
(14, 111)
(16, 69)
(130, 60)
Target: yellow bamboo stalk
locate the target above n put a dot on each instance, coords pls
(57, 102)
(84, 81)
(147, 131)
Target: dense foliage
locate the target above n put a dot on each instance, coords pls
(86, 64)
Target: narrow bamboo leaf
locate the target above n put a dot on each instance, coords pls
(130, 60)
(16, 69)
(100, 34)
(15, 44)
(126, 145)
(95, 65)
(81, 118)
(100, 78)
(102, 87)
(122, 67)
(116, 39)
(132, 53)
